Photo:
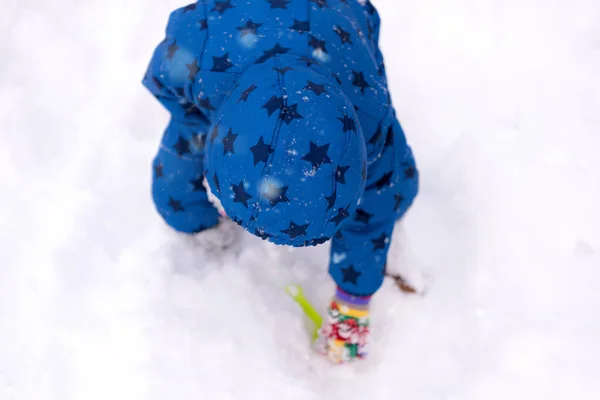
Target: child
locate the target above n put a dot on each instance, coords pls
(283, 106)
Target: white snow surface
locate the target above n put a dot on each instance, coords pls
(500, 100)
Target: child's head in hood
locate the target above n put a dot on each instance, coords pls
(286, 156)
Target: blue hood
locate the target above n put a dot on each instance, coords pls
(286, 155)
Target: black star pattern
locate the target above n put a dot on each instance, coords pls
(197, 184)
(380, 242)
(331, 200)
(239, 194)
(363, 173)
(350, 274)
(190, 109)
(216, 182)
(382, 182)
(190, 7)
(308, 61)
(180, 92)
(317, 44)
(279, 4)
(289, 113)
(203, 117)
(203, 24)
(317, 155)
(275, 103)
(316, 242)
(222, 6)
(389, 140)
(246, 93)
(158, 170)
(370, 29)
(283, 70)
(315, 87)
(204, 102)
(295, 230)
(340, 174)
(182, 146)
(200, 139)
(215, 133)
(369, 7)
(221, 64)
(359, 81)
(320, 3)
(261, 151)
(171, 50)
(341, 216)
(175, 205)
(195, 111)
(193, 68)
(158, 83)
(376, 136)
(398, 198)
(277, 49)
(276, 195)
(249, 29)
(337, 78)
(348, 123)
(363, 216)
(300, 26)
(410, 172)
(344, 36)
(228, 142)
(261, 234)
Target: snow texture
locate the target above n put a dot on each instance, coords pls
(100, 300)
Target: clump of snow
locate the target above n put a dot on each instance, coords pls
(321, 55)
(249, 40)
(337, 258)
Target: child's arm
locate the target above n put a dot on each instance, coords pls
(359, 250)
(177, 188)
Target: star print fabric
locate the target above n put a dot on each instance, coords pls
(283, 107)
(276, 154)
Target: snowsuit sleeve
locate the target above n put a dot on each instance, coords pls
(359, 250)
(178, 172)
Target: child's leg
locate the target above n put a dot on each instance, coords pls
(178, 171)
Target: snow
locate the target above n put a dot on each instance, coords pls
(99, 300)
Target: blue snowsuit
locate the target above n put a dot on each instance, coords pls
(283, 107)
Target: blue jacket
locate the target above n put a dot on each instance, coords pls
(283, 106)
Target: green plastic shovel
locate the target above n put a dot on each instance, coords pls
(296, 293)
